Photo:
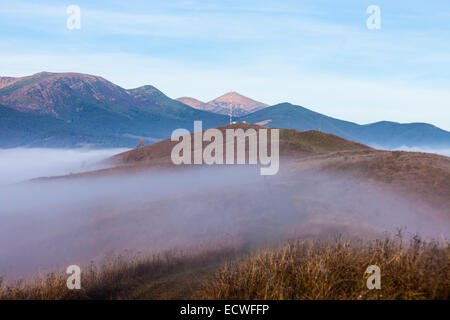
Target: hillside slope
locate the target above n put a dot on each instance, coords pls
(415, 175)
(292, 143)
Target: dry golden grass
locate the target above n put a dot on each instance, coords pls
(164, 276)
(315, 142)
(305, 269)
(317, 269)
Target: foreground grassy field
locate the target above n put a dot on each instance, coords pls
(303, 269)
(336, 270)
(166, 276)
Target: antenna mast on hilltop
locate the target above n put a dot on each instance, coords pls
(231, 110)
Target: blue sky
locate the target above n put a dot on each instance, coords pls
(317, 53)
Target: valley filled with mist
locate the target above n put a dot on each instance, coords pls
(49, 224)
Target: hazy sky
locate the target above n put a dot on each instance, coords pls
(317, 53)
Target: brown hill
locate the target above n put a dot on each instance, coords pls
(292, 143)
(415, 175)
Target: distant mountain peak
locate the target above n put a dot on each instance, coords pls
(238, 103)
(234, 97)
(144, 91)
(146, 87)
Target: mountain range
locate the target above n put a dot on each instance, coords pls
(71, 109)
(380, 134)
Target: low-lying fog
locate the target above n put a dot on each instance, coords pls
(22, 164)
(53, 224)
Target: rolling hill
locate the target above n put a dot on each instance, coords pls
(292, 143)
(327, 180)
(385, 134)
(415, 175)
